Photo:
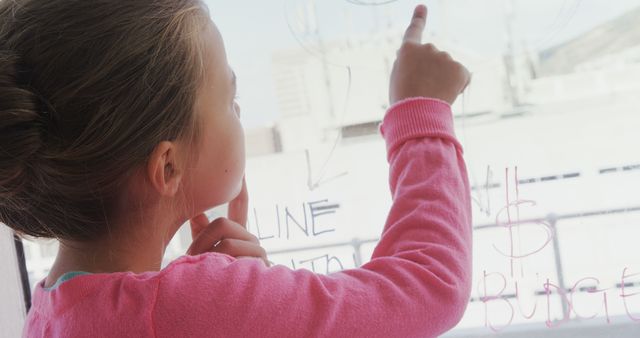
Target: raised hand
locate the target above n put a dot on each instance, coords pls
(422, 70)
(227, 235)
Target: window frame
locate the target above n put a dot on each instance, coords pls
(15, 292)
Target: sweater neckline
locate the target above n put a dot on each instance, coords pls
(65, 277)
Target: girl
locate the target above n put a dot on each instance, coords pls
(118, 124)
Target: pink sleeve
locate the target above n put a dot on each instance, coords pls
(417, 283)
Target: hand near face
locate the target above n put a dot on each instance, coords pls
(227, 235)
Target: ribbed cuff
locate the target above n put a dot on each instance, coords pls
(417, 117)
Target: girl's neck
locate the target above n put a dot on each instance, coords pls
(135, 251)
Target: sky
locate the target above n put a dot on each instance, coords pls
(254, 29)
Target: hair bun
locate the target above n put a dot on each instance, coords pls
(21, 124)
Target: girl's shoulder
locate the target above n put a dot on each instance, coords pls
(76, 285)
(207, 257)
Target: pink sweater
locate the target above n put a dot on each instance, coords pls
(417, 283)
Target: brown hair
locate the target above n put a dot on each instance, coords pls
(88, 88)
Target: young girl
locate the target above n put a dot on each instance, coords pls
(118, 124)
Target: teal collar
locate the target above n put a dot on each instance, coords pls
(65, 277)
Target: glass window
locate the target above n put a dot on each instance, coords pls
(549, 127)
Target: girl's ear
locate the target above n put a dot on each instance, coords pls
(163, 169)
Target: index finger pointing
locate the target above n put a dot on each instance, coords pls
(239, 206)
(418, 22)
